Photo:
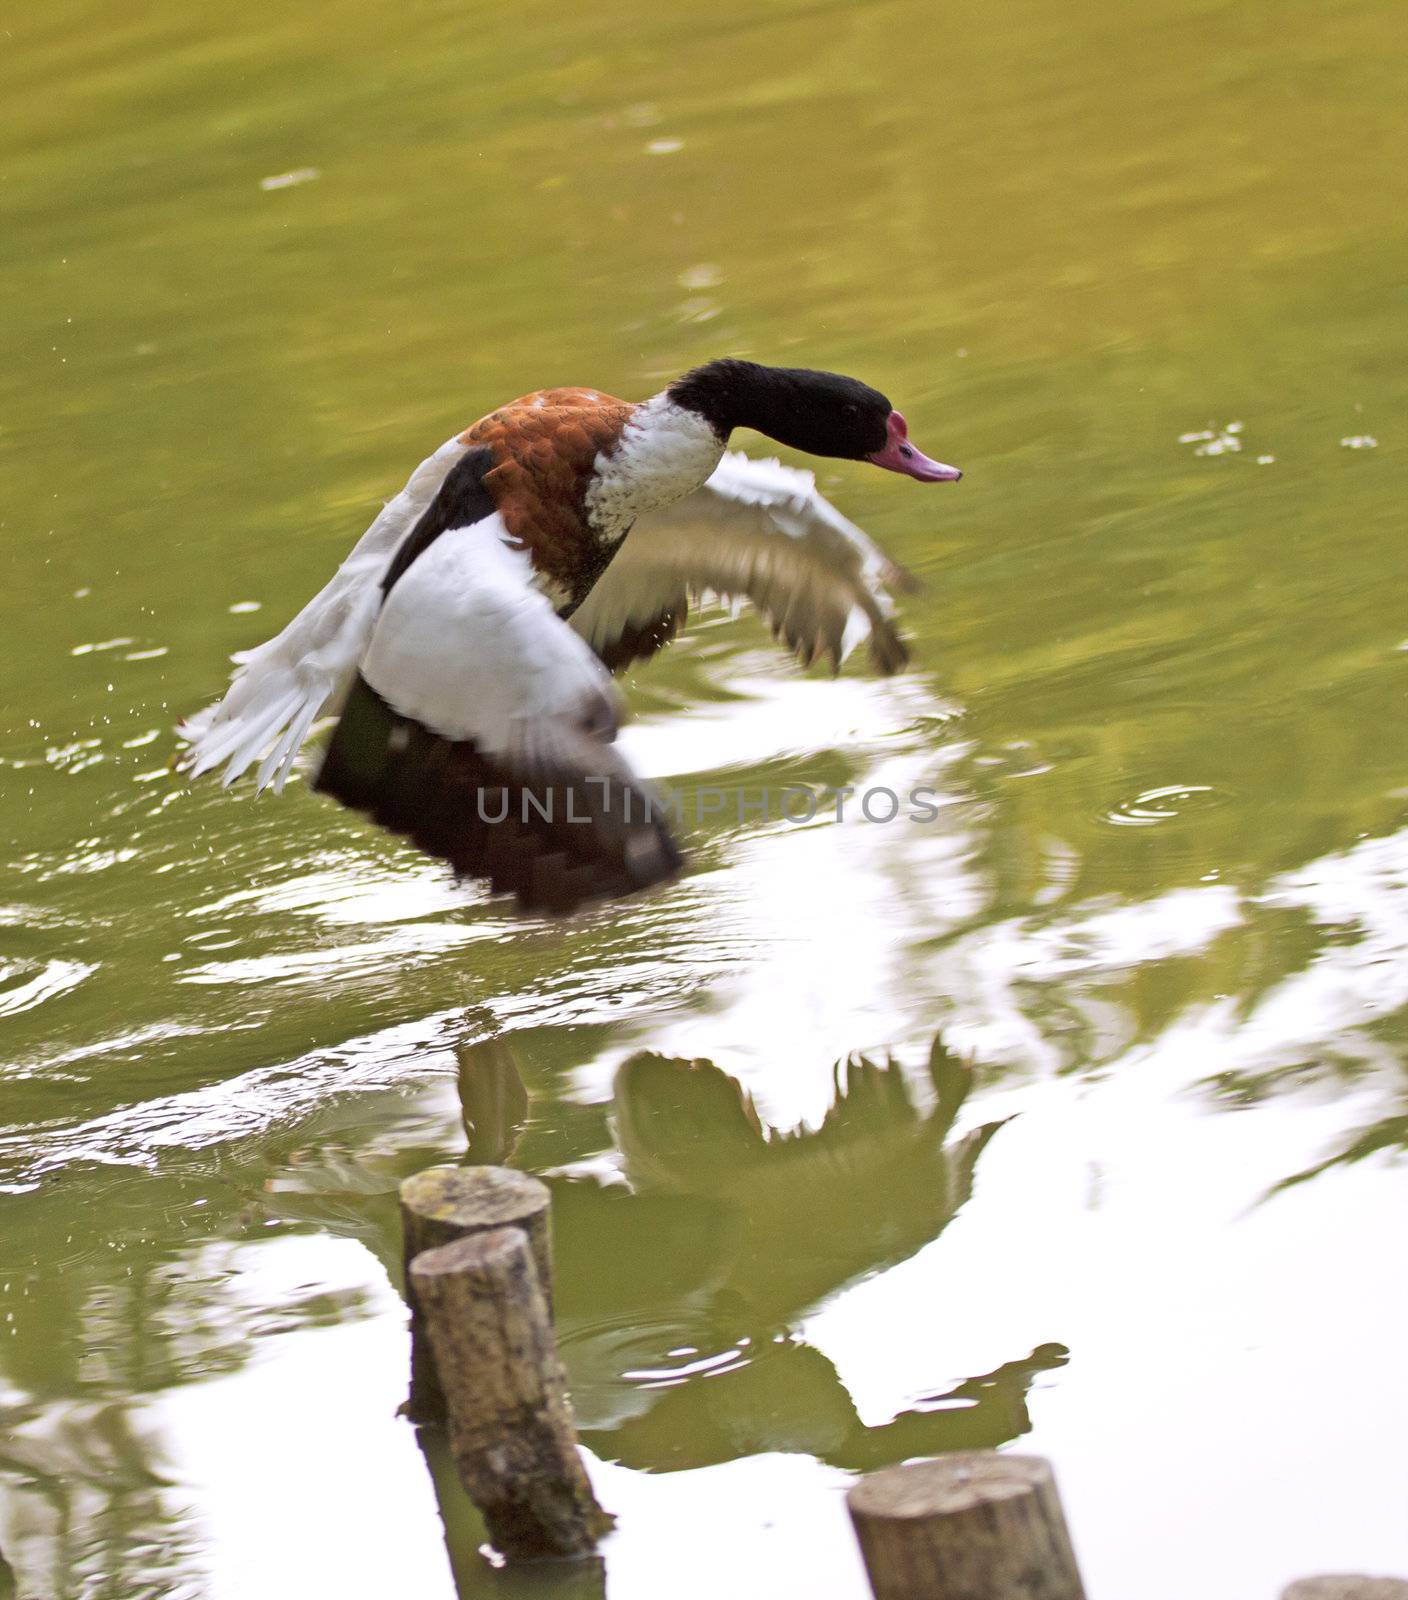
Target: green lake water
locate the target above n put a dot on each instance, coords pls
(1143, 273)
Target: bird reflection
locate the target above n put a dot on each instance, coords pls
(493, 1101)
(679, 1295)
(680, 1289)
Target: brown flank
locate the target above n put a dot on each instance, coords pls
(543, 461)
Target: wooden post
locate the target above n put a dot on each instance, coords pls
(511, 1430)
(446, 1203)
(1347, 1586)
(463, 1526)
(970, 1526)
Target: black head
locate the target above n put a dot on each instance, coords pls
(823, 413)
(819, 412)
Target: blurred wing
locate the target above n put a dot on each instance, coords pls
(283, 686)
(481, 727)
(760, 531)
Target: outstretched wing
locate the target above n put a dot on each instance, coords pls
(482, 727)
(760, 531)
(281, 688)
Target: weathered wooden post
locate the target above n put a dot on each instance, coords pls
(1347, 1586)
(970, 1526)
(442, 1204)
(511, 1431)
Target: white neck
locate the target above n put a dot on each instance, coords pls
(665, 452)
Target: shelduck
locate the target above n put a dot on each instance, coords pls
(467, 643)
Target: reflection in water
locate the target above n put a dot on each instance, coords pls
(465, 1544)
(493, 1100)
(679, 1289)
(679, 1295)
(91, 1510)
(1388, 1135)
(1247, 995)
(101, 1320)
(98, 1520)
(683, 1286)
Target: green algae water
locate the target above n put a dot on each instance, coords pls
(1141, 273)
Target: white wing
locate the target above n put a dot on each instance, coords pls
(466, 646)
(284, 686)
(757, 530)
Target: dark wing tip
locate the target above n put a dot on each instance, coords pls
(888, 651)
(554, 841)
(639, 641)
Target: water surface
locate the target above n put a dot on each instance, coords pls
(1142, 276)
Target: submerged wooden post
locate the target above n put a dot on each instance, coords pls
(970, 1526)
(511, 1430)
(446, 1203)
(1347, 1586)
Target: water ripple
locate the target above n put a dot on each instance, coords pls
(1168, 803)
(20, 993)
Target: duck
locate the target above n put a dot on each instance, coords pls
(468, 643)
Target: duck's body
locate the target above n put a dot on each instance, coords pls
(467, 638)
(571, 469)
